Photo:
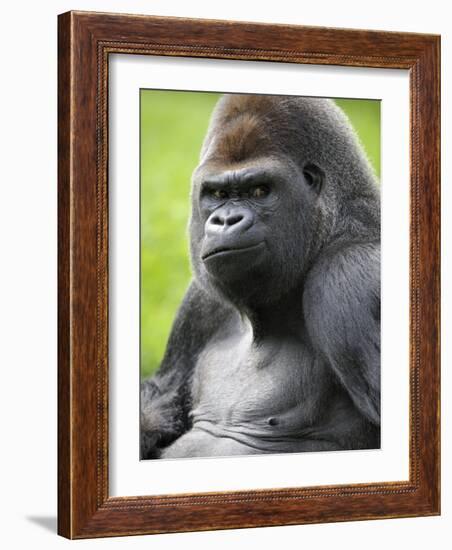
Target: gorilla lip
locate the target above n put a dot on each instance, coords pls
(223, 250)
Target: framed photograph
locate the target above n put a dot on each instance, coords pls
(248, 275)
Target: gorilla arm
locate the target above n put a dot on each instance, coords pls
(166, 396)
(341, 304)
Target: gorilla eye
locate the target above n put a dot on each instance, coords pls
(314, 176)
(259, 192)
(218, 194)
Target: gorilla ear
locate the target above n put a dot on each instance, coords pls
(314, 177)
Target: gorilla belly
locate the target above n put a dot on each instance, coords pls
(199, 442)
(250, 399)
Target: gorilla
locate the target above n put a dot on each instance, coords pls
(276, 345)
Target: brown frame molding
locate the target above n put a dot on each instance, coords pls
(85, 41)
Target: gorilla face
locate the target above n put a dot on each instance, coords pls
(242, 215)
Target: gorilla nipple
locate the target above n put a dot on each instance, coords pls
(272, 421)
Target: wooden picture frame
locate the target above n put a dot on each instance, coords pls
(85, 42)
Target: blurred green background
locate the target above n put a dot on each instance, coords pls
(173, 125)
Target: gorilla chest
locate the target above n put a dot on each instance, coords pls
(239, 384)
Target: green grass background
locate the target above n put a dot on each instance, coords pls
(173, 125)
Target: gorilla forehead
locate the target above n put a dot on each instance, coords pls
(239, 130)
(246, 127)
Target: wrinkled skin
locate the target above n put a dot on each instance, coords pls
(276, 346)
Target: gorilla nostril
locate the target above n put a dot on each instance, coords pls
(217, 220)
(232, 220)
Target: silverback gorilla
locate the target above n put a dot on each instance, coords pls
(276, 345)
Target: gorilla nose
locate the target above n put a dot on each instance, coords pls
(229, 221)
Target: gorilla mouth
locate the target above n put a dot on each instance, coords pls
(224, 250)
